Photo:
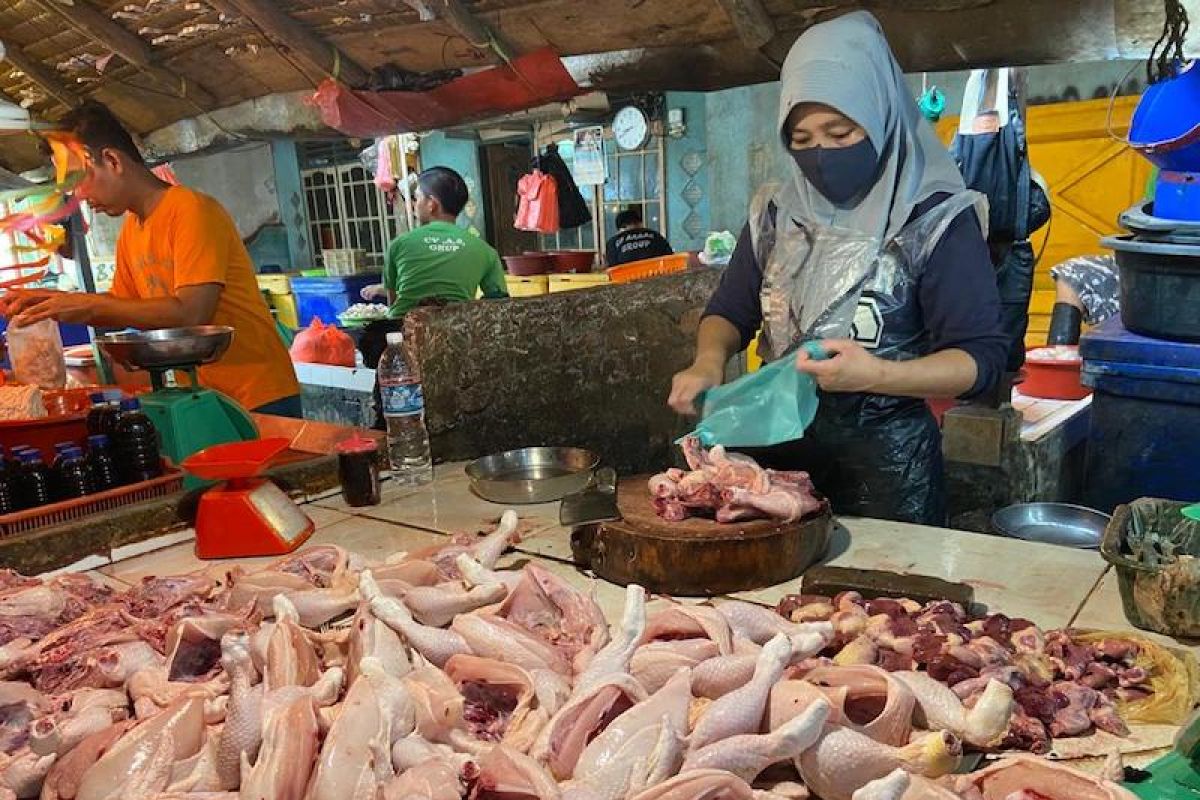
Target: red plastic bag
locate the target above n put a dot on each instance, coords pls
(537, 206)
(323, 344)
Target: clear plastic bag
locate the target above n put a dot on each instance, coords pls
(764, 408)
(36, 354)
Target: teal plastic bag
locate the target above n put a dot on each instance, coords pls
(760, 409)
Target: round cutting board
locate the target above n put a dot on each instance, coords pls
(697, 557)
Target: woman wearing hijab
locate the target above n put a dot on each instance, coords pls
(874, 247)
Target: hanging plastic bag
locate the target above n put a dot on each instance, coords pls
(36, 354)
(718, 249)
(537, 203)
(763, 408)
(323, 344)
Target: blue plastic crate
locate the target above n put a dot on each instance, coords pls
(1144, 435)
(327, 297)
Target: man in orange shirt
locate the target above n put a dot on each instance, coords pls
(180, 262)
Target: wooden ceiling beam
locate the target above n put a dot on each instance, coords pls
(312, 48)
(466, 24)
(99, 27)
(751, 21)
(50, 83)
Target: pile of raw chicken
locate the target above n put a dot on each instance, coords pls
(730, 487)
(436, 676)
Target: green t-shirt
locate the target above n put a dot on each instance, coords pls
(442, 261)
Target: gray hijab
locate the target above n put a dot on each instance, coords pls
(846, 63)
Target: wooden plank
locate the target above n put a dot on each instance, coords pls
(752, 22)
(43, 77)
(102, 29)
(460, 18)
(313, 49)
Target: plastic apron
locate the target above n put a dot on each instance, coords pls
(872, 455)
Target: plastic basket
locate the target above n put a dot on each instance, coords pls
(70, 510)
(344, 262)
(526, 286)
(587, 280)
(648, 268)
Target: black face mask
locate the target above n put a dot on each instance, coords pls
(843, 175)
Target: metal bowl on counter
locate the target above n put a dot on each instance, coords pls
(1052, 523)
(167, 348)
(532, 474)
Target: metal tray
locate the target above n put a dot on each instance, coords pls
(168, 347)
(1052, 523)
(532, 474)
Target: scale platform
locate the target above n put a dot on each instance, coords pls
(246, 515)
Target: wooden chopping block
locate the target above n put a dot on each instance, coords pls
(696, 557)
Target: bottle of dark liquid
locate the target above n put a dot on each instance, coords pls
(34, 480)
(72, 478)
(100, 462)
(136, 444)
(96, 412)
(8, 495)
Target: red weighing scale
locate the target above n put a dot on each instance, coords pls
(246, 515)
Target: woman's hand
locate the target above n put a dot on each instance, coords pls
(373, 292)
(689, 384)
(849, 368)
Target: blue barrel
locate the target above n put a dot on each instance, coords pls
(1144, 434)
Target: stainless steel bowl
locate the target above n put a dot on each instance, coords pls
(168, 348)
(1052, 523)
(532, 474)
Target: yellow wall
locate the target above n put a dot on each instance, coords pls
(1092, 178)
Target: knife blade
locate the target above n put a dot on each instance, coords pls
(596, 503)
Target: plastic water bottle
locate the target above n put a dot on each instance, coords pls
(403, 407)
(101, 463)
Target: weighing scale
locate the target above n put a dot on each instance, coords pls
(246, 515)
(1175, 776)
(188, 418)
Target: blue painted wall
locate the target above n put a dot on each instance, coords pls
(291, 203)
(687, 175)
(461, 155)
(744, 150)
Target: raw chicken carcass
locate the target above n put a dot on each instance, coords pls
(700, 784)
(653, 664)
(614, 658)
(289, 747)
(875, 703)
(143, 757)
(741, 711)
(356, 756)
(549, 607)
(499, 703)
(505, 774)
(680, 621)
(435, 644)
(495, 637)
(1027, 776)
(748, 755)
(371, 637)
(983, 725)
(843, 760)
(584, 717)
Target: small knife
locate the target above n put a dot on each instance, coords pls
(596, 503)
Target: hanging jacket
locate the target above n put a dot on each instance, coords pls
(537, 203)
(573, 211)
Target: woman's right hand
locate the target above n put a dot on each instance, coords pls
(373, 292)
(689, 384)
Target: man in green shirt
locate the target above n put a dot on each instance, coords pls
(435, 264)
(439, 262)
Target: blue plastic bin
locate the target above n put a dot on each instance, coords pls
(1144, 435)
(327, 297)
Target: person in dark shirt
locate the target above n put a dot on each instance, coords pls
(873, 247)
(634, 241)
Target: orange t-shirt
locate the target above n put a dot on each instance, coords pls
(189, 240)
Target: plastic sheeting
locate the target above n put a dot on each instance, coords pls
(531, 80)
